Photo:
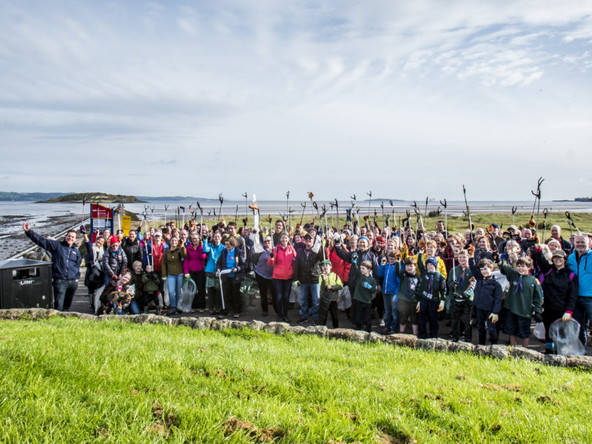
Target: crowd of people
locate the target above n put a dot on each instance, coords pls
(412, 280)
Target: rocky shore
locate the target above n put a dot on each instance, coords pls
(13, 239)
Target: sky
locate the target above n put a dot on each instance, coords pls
(405, 99)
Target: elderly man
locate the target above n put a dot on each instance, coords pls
(65, 266)
(556, 234)
(580, 263)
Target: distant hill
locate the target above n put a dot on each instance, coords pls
(93, 197)
(175, 198)
(27, 197)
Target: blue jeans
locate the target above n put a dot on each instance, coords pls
(391, 311)
(315, 291)
(583, 309)
(174, 282)
(282, 293)
(63, 293)
(134, 307)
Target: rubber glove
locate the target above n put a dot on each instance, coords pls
(494, 318)
(441, 306)
(566, 317)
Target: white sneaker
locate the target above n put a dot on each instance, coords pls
(381, 323)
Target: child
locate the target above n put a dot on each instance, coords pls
(524, 296)
(432, 288)
(330, 286)
(461, 286)
(136, 288)
(150, 292)
(487, 300)
(390, 287)
(365, 287)
(409, 284)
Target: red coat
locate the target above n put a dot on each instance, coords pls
(283, 262)
(339, 266)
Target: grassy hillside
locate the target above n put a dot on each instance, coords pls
(70, 380)
(93, 197)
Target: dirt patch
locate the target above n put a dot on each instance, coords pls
(233, 425)
(164, 423)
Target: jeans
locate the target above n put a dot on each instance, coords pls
(314, 290)
(174, 282)
(134, 307)
(583, 309)
(282, 292)
(391, 311)
(63, 293)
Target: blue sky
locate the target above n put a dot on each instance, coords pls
(407, 99)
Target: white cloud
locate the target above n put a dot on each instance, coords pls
(272, 81)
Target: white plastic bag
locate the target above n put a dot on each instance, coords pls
(345, 300)
(539, 331)
(185, 301)
(565, 335)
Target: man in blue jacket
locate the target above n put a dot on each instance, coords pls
(65, 266)
(580, 263)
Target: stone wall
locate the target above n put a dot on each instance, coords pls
(280, 328)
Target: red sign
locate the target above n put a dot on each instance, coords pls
(100, 212)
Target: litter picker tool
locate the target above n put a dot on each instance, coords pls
(468, 214)
(418, 214)
(537, 201)
(311, 196)
(183, 220)
(514, 210)
(288, 208)
(426, 207)
(545, 213)
(221, 199)
(369, 193)
(245, 195)
(337, 209)
(166, 207)
(83, 204)
(236, 214)
(200, 217)
(221, 289)
(571, 224)
(393, 207)
(445, 205)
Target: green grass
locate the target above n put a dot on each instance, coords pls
(70, 380)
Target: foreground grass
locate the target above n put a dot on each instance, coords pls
(69, 380)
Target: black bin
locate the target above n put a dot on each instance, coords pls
(25, 283)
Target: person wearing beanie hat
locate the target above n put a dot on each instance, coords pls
(432, 288)
(431, 261)
(114, 261)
